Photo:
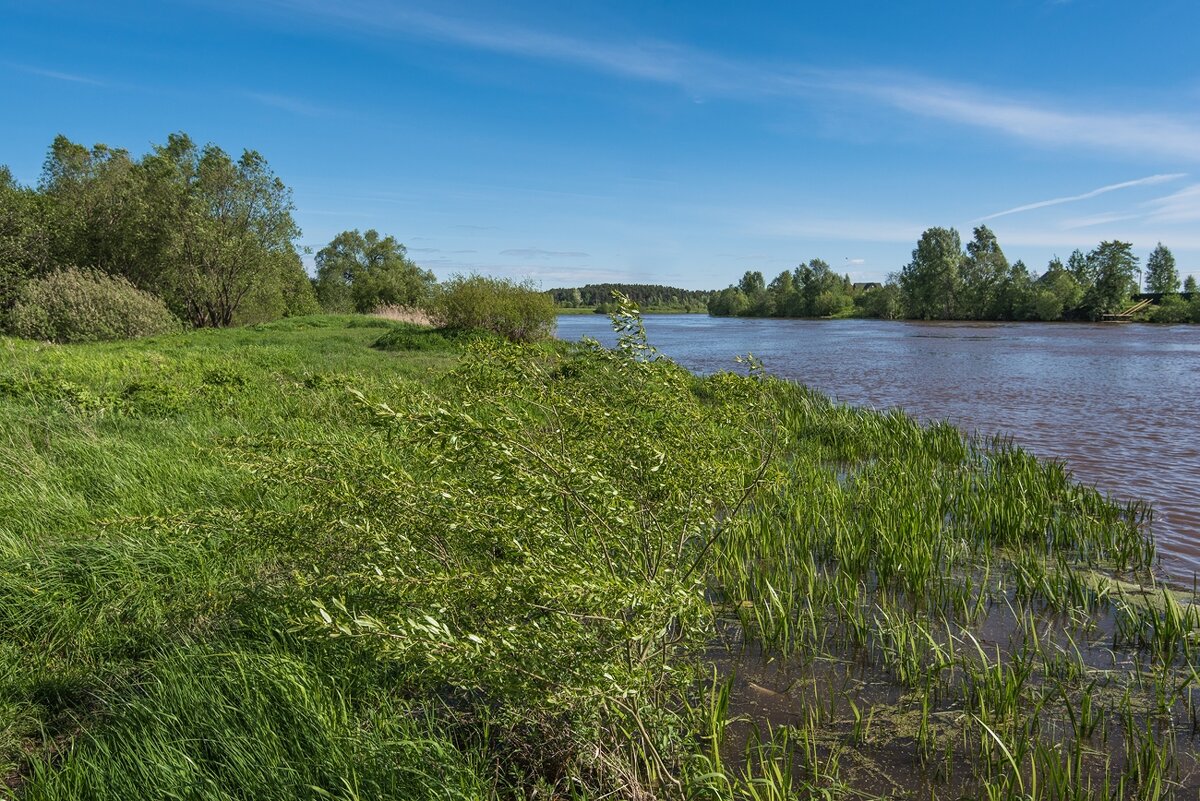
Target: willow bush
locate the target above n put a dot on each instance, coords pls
(74, 305)
(516, 311)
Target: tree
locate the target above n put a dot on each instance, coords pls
(361, 272)
(25, 237)
(729, 302)
(1055, 293)
(783, 294)
(1189, 284)
(1161, 275)
(881, 301)
(984, 271)
(1081, 270)
(930, 283)
(226, 228)
(101, 218)
(1114, 266)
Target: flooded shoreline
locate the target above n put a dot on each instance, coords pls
(1115, 402)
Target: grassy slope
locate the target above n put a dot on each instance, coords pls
(125, 551)
(278, 563)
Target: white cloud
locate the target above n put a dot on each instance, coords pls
(1041, 204)
(58, 76)
(1180, 207)
(538, 253)
(290, 104)
(698, 73)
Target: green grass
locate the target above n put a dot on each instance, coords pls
(337, 557)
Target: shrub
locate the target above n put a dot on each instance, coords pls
(1171, 309)
(74, 305)
(515, 311)
(409, 338)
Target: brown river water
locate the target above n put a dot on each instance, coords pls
(1119, 403)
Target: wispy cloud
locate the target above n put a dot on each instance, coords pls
(59, 76)
(1179, 207)
(1058, 201)
(289, 104)
(1045, 123)
(538, 253)
(1130, 132)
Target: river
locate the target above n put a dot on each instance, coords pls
(1120, 403)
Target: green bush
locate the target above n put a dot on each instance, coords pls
(1171, 309)
(79, 306)
(406, 338)
(515, 311)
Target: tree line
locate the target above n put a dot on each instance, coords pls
(647, 296)
(945, 281)
(210, 236)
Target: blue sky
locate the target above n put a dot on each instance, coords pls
(671, 142)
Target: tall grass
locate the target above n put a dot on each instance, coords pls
(279, 562)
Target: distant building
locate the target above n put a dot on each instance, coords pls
(863, 286)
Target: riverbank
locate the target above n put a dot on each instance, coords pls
(279, 562)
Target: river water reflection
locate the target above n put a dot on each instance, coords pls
(1119, 403)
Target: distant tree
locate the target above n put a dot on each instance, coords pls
(1189, 284)
(363, 271)
(646, 296)
(1017, 296)
(1114, 266)
(752, 283)
(930, 283)
(1081, 269)
(984, 271)
(881, 301)
(1161, 275)
(1055, 293)
(783, 294)
(730, 302)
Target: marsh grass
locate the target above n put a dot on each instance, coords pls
(279, 562)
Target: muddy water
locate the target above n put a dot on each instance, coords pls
(1119, 403)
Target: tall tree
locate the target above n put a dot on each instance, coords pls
(361, 272)
(1081, 270)
(984, 272)
(930, 283)
(1161, 275)
(101, 218)
(227, 228)
(1114, 265)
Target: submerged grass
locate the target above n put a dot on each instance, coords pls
(346, 557)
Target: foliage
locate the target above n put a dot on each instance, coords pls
(516, 311)
(1161, 275)
(985, 272)
(1114, 266)
(25, 238)
(646, 296)
(811, 290)
(882, 302)
(230, 228)
(363, 272)
(930, 284)
(945, 283)
(275, 562)
(212, 237)
(1171, 309)
(77, 306)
